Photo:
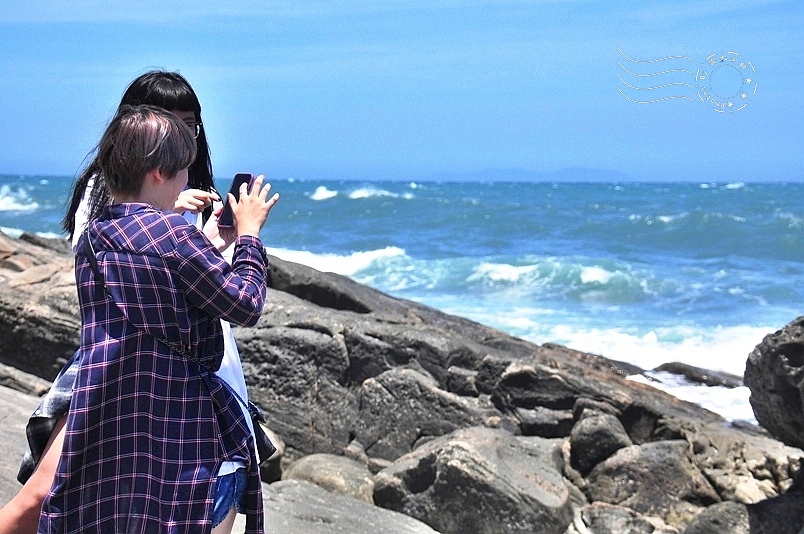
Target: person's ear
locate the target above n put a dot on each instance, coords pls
(156, 175)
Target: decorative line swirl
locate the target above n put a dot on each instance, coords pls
(653, 60)
(652, 101)
(656, 87)
(656, 73)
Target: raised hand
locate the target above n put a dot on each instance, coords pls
(251, 211)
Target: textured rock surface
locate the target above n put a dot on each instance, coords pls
(602, 518)
(298, 507)
(342, 369)
(15, 407)
(337, 474)
(38, 306)
(657, 479)
(595, 438)
(774, 373)
(482, 481)
(780, 515)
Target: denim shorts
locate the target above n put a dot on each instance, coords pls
(229, 491)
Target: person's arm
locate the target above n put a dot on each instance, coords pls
(235, 294)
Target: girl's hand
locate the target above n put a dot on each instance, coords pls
(251, 211)
(221, 238)
(194, 200)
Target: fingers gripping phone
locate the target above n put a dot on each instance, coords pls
(226, 219)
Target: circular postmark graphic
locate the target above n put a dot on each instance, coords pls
(726, 82)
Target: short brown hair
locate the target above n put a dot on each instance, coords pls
(139, 140)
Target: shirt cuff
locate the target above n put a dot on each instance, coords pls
(255, 242)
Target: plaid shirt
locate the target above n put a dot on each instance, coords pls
(147, 428)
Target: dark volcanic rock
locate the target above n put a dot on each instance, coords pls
(482, 481)
(602, 518)
(699, 375)
(595, 438)
(782, 515)
(38, 307)
(402, 408)
(659, 479)
(774, 373)
(342, 369)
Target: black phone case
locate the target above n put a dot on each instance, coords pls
(227, 220)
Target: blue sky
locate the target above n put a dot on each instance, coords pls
(411, 90)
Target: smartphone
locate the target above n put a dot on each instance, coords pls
(226, 219)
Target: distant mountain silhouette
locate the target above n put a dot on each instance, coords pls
(572, 174)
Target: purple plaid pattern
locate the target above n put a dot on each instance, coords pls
(148, 428)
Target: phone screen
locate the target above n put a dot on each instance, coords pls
(227, 220)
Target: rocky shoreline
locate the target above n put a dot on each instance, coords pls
(395, 417)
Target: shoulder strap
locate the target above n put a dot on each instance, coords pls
(93, 262)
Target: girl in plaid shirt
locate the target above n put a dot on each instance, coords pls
(149, 427)
(170, 91)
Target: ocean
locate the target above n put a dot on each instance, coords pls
(645, 273)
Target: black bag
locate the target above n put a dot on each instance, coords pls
(265, 448)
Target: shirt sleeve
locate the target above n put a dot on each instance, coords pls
(234, 293)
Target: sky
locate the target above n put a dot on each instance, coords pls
(417, 90)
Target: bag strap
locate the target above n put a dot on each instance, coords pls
(93, 263)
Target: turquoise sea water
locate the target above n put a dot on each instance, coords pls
(646, 273)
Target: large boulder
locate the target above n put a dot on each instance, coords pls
(482, 481)
(402, 407)
(595, 438)
(774, 373)
(658, 479)
(298, 507)
(38, 305)
(780, 515)
(337, 474)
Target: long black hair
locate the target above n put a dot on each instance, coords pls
(169, 91)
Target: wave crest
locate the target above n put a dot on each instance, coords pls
(347, 265)
(16, 200)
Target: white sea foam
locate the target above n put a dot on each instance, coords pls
(719, 349)
(371, 192)
(322, 193)
(500, 272)
(15, 200)
(664, 219)
(731, 403)
(11, 232)
(590, 275)
(793, 222)
(16, 233)
(735, 185)
(346, 265)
